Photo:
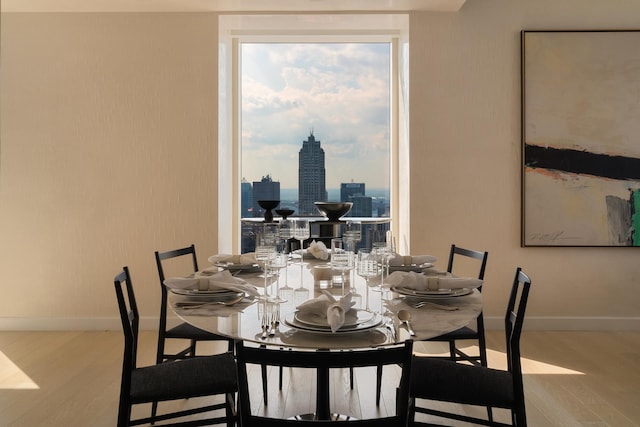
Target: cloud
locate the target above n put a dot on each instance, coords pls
(338, 91)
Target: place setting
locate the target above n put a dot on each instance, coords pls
(211, 292)
(237, 264)
(438, 291)
(326, 315)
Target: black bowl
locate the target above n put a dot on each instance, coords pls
(268, 204)
(333, 210)
(284, 213)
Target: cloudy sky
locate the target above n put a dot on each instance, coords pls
(338, 91)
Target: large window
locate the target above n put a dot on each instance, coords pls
(335, 85)
(315, 126)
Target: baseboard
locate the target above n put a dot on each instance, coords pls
(570, 323)
(71, 324)
(151, 323)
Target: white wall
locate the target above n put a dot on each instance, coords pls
(108, 152)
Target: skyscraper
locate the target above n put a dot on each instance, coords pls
(265, 189)
(311, 176)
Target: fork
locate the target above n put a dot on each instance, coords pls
(434, 305)
(265, 327)
(275, 321)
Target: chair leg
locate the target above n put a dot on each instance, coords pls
(452, 350)
(280, 378)
(351, 378)
(192, 348)
(378, 383)
(263, 368)
(154, 409)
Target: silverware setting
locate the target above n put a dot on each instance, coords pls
(434, 305)
(404, 316)
(275, 322)
(186, 305)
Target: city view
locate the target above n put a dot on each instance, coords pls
(315, 126)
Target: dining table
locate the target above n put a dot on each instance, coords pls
(269, 322)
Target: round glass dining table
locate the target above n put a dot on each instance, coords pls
(266, 322)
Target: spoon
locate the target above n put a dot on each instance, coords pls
(404, 316)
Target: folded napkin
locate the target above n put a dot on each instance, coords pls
(326, 306)
(223, 280)
(245, 259)
(318, 250)
(420, 282)
(412, 260)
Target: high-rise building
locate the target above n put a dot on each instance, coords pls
(354, 192)
(348, 190)
(265, 189)
(311, 176)
(246, 199)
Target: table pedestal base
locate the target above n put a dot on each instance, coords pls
(333, 417)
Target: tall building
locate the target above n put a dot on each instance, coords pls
(354, 192)
(349, 190)
(246, 199)
(265, 189)
(311, 176)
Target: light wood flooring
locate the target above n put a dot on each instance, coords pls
(72, 379)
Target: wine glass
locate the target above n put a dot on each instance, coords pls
(341, 259)
(301, 232)
(279, 261)
(286, 233)
(352, 235)
(265, 253)
(367, 268)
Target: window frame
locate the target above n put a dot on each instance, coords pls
(314, 28)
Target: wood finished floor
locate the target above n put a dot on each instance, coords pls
(72, 379)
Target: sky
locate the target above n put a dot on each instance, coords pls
(340, 92)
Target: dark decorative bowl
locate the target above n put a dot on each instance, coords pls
(284, 213)
(268, 205)
(333, 210)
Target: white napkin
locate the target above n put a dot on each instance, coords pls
(318, 250)
(412, 260)
(244, 259)
(326, 306)
(223, 280)
(420, 282)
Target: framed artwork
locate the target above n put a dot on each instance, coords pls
(580, 138)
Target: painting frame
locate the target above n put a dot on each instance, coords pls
(580, 139)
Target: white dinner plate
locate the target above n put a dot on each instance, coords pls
(246, 268)
(352, 318)
(208, 295)
(374, 322)
(434, 294)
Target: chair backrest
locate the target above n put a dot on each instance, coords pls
(130, 319)
(399, 354)
(470, 253)
(163, 256)
(514, 319)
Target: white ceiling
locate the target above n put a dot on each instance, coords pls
(228, 5)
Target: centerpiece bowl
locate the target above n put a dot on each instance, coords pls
(268, 206)
(333, 210)
(284, 213)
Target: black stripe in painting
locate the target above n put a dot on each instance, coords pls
(582, 162)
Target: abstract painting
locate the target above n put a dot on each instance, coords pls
(580, 138)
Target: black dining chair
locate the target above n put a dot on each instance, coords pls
(185, 331)
(182, 331)
(448, 381)
(183, 379)
(322, 361)
(465, 333)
